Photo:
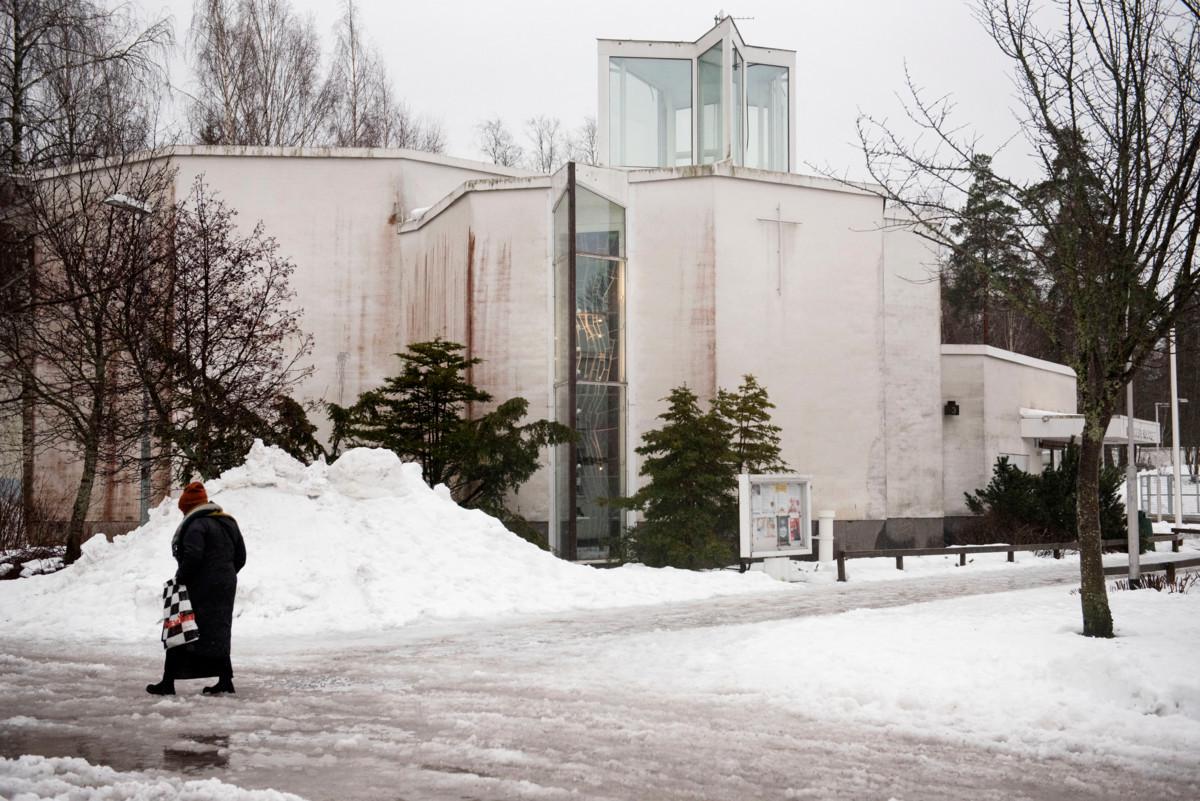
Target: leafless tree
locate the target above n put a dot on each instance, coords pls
(547, 149)
(1110, 104)
(78, 80)
(582, 145)
(258, 67)
(365, 111)
(497, 143)
(227, 346)
(86, 252)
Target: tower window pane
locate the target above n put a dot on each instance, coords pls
(767, 117)
(711, 117)
(650, 112)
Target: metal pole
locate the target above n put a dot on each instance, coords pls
(1131, 498)
(1177, 494)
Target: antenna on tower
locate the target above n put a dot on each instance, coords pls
(721, 15)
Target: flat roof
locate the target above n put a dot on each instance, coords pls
(1008, 356)
(732, 22)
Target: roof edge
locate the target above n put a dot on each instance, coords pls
(254, 151)
(1008, 356)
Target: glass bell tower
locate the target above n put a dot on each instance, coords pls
(677, 104)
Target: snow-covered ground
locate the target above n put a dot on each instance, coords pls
(71, 779)
(850, 691)
(392, 645)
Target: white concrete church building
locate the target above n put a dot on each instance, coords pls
(692, 255)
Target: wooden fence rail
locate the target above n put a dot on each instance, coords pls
(1168, 567)
(963, 551)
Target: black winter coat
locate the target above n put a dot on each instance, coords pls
(209, 551)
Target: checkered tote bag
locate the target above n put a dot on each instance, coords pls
(179, 622)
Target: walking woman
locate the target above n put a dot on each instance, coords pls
(209, 550)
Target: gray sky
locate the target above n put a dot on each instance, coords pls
(461, 62)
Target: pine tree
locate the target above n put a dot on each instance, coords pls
(422, 415)
(754, 439)
(985, 269)
(689, 505)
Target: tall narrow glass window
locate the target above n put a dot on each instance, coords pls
(650, 112)
(738, 112)
(599, 290)
(564, 476)
(767, 117)
(589, 319)
(711, 118)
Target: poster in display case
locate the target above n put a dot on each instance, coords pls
(775, 515)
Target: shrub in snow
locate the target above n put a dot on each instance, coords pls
(1184, 582)
(1028, 508)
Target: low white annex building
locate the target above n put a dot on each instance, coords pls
(692, 255)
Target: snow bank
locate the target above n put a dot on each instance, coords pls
(360, 545)
(31, 778)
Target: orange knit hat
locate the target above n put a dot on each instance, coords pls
(193, 496)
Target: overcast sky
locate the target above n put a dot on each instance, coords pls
(461, 62)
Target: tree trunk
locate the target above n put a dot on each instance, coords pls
(1097, 619)
(83, 499)
(28, 444)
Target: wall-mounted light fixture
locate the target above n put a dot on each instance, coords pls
(950, 409)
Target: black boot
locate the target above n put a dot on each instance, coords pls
(164, 687)
(224, 685)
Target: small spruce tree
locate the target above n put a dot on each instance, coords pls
(754, 439)
(422, 415)
(688, 504)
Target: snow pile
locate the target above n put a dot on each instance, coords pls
(361, 545)
(30, 778)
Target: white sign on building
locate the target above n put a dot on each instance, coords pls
(775, 515)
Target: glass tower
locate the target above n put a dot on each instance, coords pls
(676, 104)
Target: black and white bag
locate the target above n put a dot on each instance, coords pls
(179, 622)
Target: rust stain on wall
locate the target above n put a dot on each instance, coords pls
(703, 322)
(494, 311)
(469, 306)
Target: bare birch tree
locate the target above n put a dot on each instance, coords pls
(1110, 105)
(365, 110)
(75, 80)
(498, 144)
(583, 143)
(547, 150)
(259, 72)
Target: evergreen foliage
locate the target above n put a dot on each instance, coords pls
(754, 439)
(424, 415)
(224, 444)
(689, 505)
(1040, 507)
(293, 431)
(986, 277)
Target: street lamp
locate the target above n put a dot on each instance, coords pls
(140, 210)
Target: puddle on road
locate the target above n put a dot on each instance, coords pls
(197, 753)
